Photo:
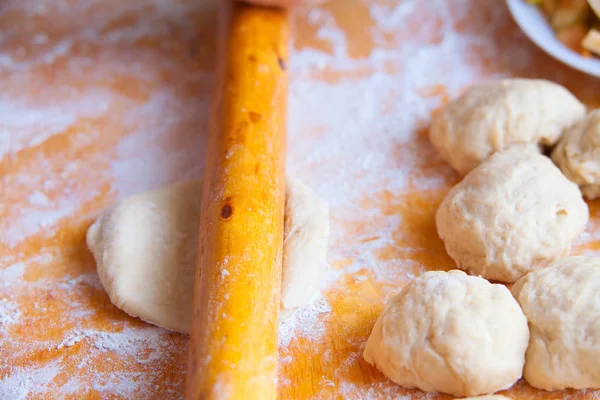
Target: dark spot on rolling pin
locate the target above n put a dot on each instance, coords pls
(226, 211)
(254, 117)
(257, 169)
(252, 58)
(239, 135)
(281, 63)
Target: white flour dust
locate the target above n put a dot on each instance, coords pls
(304, 322)
(39, 118)
(9, 313)
(26, 123)
(23, 381)
(136, 171)
(11, 273)
(131, 342)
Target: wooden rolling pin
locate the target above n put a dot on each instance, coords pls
(233, 342)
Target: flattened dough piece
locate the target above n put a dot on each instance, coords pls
(562, 305)
(578, 154)
(145, 248)
(496, 115)
(514, 213)
(306, 235)
(450, 332)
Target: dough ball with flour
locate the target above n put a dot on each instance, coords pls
(562, 305)
(495, 115)
(578, 154)
(450, 332)
(145, 248)
(513, 214)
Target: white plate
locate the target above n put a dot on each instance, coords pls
(533, 23)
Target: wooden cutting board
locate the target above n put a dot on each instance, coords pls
(100, 99)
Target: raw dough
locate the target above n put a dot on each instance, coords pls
(495, 115)
(146, 246)
(305, 240)
(562, 305)
(578, 154)
(513, 214)
(450, 332)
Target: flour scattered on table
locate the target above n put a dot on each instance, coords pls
(71, 339)
(11, 273)
(38, 199)
(9, 313)
(306, 322)
(23, 382)
(352, 141)
(379, 390)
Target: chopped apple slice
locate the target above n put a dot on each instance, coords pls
(568, 13)
(572, 36)
(595, 5)
(548, 6)
(591, 42)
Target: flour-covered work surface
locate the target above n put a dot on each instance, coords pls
(101, 99)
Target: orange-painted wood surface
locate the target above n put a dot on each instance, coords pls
(100, 99)
(233, 341)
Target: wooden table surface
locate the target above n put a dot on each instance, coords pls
(100, 99)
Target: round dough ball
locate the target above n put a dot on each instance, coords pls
(578, 154)
(146, 247)
(450, 332)
(496, 115)
(562, 305)
(513, 214)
